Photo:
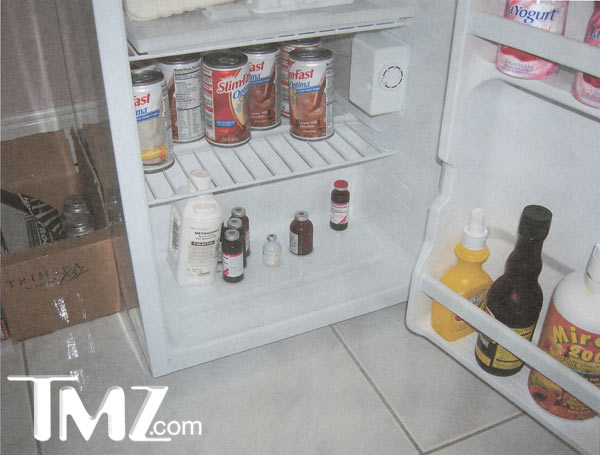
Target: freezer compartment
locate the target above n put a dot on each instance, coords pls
(506, 143)
(351, 272)
(234, 25)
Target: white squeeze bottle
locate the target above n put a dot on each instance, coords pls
(571, 335)
(194, 234)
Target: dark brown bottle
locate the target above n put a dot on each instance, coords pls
(515, 299)
(301, 234)
(236, 223)
(340, 205)
(233, 257)
(240, 212)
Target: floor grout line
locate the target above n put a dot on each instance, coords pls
(38, 445)
(380, 395)
(475, 433)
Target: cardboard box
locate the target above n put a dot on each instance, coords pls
(66, 282)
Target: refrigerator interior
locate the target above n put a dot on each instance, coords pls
(507, 143)
(389, 161)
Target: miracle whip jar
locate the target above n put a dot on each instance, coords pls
(151, 103)
(546, 15)
(285, 49)
(265, 89)
(184, 83)
(311, 93)
(225, 85)
(586, 88)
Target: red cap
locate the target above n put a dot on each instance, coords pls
(342, 184)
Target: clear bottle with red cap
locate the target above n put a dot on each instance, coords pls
(340, 205)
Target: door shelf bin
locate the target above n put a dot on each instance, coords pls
(269, 156)
(584, 435)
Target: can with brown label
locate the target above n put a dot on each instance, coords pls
(151, 104)
(310, 77)
(265, 90)
(183, 76)
(225, 86)
(285, 49)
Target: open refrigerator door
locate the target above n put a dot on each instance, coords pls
(506, 143)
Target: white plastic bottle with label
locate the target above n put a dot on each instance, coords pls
(194, 234)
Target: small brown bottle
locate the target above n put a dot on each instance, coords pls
(340, 205)
(240, 212)
(233, 257)
(301, 234)
(236, 223)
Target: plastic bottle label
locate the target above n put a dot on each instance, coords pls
(233, 264)
(269, 258)
(493, 355)
(339, 212)
(575, 348)
(202, 252)
(175, 232)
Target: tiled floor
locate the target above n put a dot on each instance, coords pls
(364, 386)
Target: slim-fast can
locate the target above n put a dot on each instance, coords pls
(225, 86)
(285, 49)
(183, 75)
(311, 93)
(265, 89)
(151, 103)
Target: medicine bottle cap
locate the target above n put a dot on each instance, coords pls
(535, 222)
(271, 238)
(238, 212)
(475, 233)
(232, 235)
(234, 223)
(340, 184)
(301, 215)
(201, 178)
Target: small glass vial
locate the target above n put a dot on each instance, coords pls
(340, 205)
(76, 218)
(240, 212)
(272, 251)
(236, 223)
(301, 234)
(233, 257)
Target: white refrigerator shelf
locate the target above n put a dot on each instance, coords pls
(230, 26)
(269, 156)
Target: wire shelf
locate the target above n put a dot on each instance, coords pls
(269, 156)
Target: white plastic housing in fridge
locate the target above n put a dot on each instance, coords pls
(501, 143)
(506, 143)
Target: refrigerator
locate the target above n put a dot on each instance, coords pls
(449, 134)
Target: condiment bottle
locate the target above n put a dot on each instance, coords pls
(301, 234)
(240, 212)
(515, 299)
(467, 278)
(340, 205)
(233, 257)
(236, 223)
(272, 251)
(571, 334)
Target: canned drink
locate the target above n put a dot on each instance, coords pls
(285, 49)
(265, 90)
(183, 76)
(225, 85)
(311, 93)
(143, 65)
(151, 103)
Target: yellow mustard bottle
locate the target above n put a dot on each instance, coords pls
(467, 278)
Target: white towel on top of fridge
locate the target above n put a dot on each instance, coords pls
(147, 10)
